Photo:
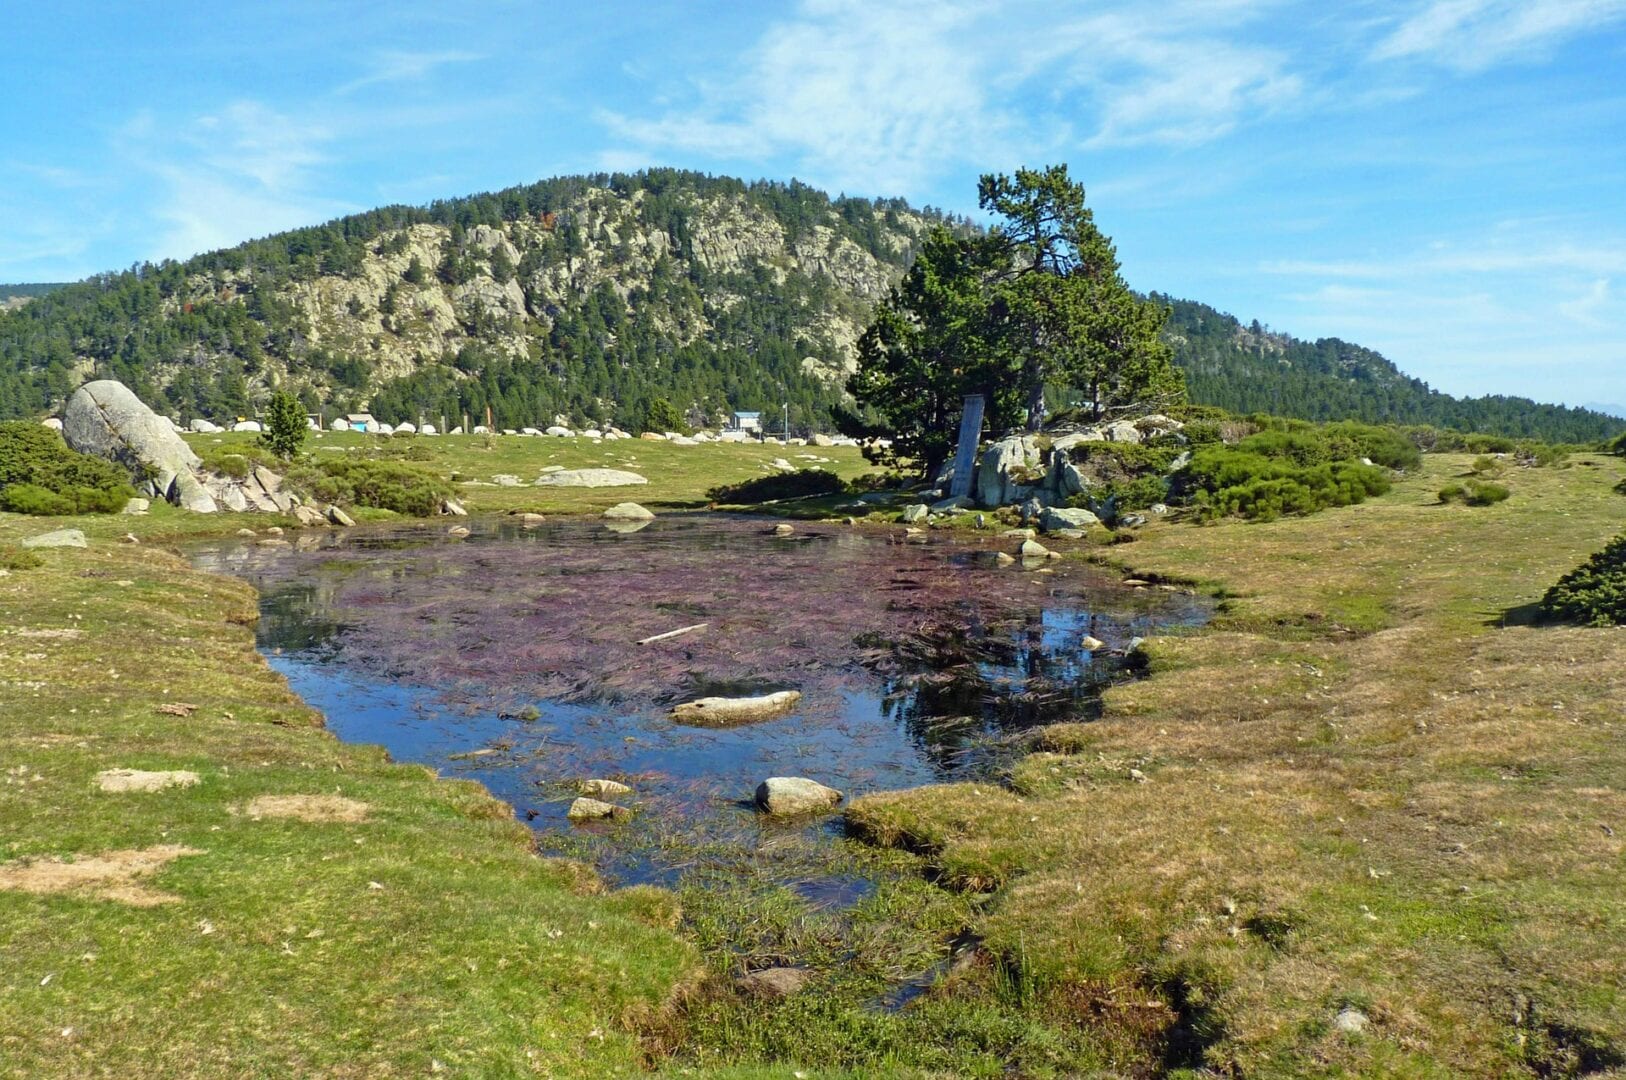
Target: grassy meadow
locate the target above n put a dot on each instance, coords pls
(1369, 821)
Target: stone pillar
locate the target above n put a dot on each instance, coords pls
(965, 454)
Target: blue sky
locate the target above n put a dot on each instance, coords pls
(1443, 180)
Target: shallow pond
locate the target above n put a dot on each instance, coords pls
(512, 657)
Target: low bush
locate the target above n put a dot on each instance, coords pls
(1473, 493)
(13, 557)
(1594, 593)
(803, 483)
(1485, 465)
(238, 460)
(39, 474)
(1619, 445)
(383, 485)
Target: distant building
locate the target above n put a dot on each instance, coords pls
(748, 421)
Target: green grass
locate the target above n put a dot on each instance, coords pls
(1368, 780)
(1371, 781)
(679, 476)
(278, 955)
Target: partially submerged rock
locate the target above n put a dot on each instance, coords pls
(591, 478)
(783, 796)
(604, 789)
(1032, 549)
(585, 809)
(721, 710)
(628, 511)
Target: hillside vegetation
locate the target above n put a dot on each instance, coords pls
(595, 297)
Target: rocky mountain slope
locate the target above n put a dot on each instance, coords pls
(595, 298)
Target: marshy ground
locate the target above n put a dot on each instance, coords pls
(1368, 822)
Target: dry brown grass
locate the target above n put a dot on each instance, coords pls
(1365, 785)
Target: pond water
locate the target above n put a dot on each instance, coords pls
(512, 657)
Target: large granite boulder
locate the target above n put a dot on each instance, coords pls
(1002, 474)
(591, 478)
(106, 419)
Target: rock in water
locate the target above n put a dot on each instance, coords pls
(718, 710)
(915, 513)
(585, 809)
(781, 796)
(604, 789)
(628, 511)
(591, 478)
(104, 418)
(58, 538)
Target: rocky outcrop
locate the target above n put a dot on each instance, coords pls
(106, 419)
(56, 538)
(1021, 469)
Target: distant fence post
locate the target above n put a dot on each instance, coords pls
(965, 454)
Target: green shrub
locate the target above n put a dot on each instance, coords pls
(1619, 445)
(1485, 464)
(383, 485)
(1473, 493)
(1202, 432)
(1227, 481)
(1594, 593)
(1620, 488)
(285, 427)
(236, 461)
(1136, 494)
(803, 483)
(13, 557)
(39, 474)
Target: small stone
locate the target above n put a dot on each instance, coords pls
(1032, 549)
(775, 982)
(628, 511)
(604, 789)
(453, 507)
(1351, 1021)
(459, 531)
(915, 513)
(339, 517)
(531, 520)
(784, 530)
(137, 506)
(1137, 776)
(1092, 644)
(1003, 559)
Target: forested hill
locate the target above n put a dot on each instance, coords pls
(593, 297)
(1251, 369)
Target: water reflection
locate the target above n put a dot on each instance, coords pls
(917, 662)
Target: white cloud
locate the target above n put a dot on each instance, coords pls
(1587, 308)
(392, 66)
(1471, 35)
(241, 171)
(883, 96)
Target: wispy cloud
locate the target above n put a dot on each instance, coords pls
(244, 170)
(882, 96)
(1588, 308)
(1471, 35)
(393, 66)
